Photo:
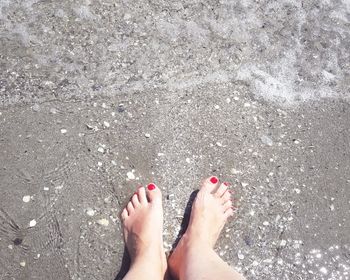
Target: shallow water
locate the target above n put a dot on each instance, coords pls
(97, 98)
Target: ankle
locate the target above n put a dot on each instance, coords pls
(148, 256)
(154, 265)
(195, 240)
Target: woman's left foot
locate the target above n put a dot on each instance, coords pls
(143, 230)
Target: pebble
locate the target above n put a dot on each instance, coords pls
(36, 107)
(26, 198)
(147, 135)
(228, 100)
(217, 107)
(46, 189)
(248, 240)
(218, 144)
(59, 187)
(90, 212)
(90, 127)
(32, 223)
(331, 207)
(131, 175)
(240, 256)
(235, 171)
(53, 111)
(101, 150)
(266, 140)
(127, 16)
(99, 163)
(63, 131)
(106, 124)
(188, 160)
(22, 263)
(244, 184)
(266, 223)
(121, 108)
(323, 270)
(283, 243)
(168, 247)
(103, 222)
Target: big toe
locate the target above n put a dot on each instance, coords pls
(210, 184)
(154, 194)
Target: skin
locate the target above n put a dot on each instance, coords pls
(143, 235)
(194, 258)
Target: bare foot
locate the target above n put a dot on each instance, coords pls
(143, 232)
(209, 214)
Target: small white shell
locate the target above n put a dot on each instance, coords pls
(26, 198)
(32, 223)
(103, 222)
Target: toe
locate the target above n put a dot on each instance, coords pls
(130, 208)
(226, 196)
(135, 200)
(227, 205)
(142, 195)
(153, 193)
(210, 184)
(229, 213)
(124, 214)
(221, 190)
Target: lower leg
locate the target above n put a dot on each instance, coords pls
(203, 263)
(147, 267)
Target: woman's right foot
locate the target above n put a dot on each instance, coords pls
(210, 211)
(143, 234)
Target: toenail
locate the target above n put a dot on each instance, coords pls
(151, 187)
(226, 184)
(213, 180)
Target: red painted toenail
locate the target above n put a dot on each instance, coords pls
(226, 184)
(151, 187)
(214, 180)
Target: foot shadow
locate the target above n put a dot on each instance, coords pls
(186, 219)
(124, 268)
